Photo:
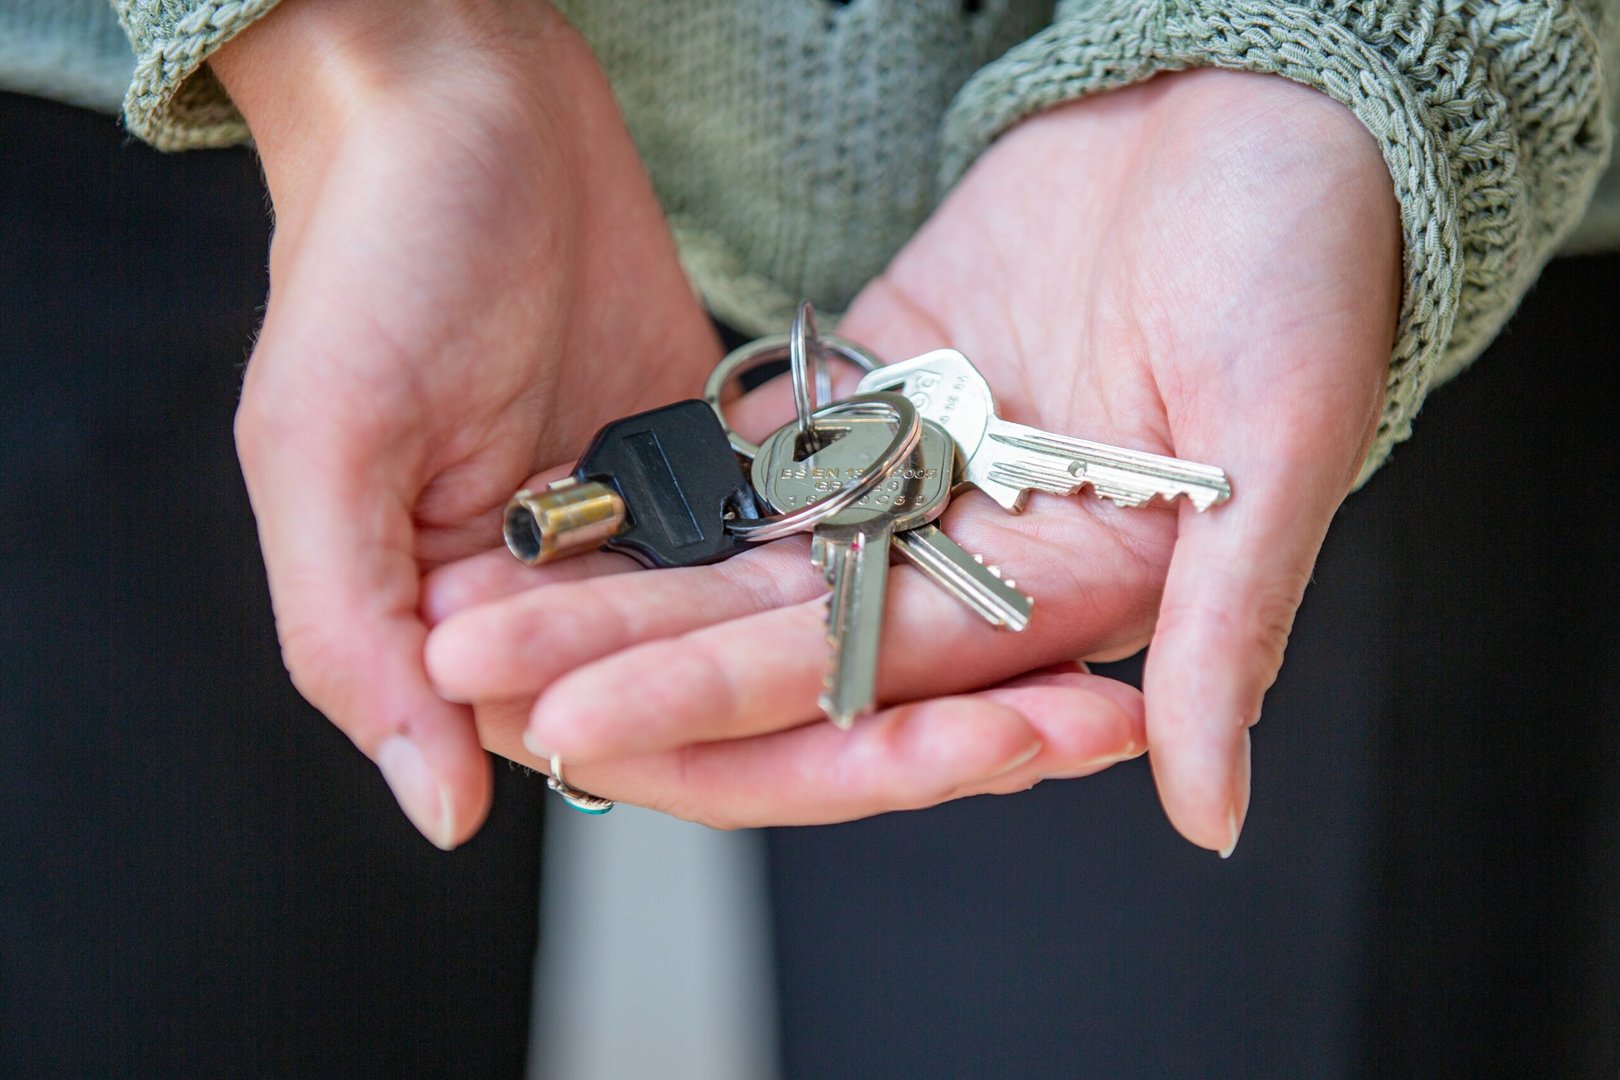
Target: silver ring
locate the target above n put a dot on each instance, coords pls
(582, 801)
(908, 431)
(768, 350)
(804, 346)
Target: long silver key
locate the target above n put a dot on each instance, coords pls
(852, 547)
(1007, 461)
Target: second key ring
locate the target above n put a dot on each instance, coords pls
(770, 350)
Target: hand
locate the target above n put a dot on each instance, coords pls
(469, 274)
(1207, 265)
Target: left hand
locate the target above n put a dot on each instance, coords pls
(1207, 265)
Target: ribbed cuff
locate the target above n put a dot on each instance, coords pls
(1491, 121)
(174, 102)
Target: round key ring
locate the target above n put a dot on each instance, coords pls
(898, 410)
(583, 801)
(769, 350)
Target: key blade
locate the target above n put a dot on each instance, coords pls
(837, 564)
(966, 577)
(1061, 465)
(859, 577)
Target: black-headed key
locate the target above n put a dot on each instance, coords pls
(658, 486)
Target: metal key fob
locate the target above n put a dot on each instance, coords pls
(658, 486)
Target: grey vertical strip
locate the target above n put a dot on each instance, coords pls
(655, 952)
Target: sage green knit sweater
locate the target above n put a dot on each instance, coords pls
(796, 144)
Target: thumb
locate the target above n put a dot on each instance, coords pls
(335, 526)
(1236, 578)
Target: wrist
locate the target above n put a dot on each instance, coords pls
(310, 69)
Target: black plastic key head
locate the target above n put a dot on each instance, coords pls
(680, 481)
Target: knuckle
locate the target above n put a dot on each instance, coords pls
(1259, 624)
(711, 817)
(686, 803)
(1271, 623)
(310, 656)
(250, 430)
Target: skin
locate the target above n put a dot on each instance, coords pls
(1207, 264)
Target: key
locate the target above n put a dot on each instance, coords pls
(658, 486)
(965, 576)
(1007, 461)
(852, 547)
(943, 561)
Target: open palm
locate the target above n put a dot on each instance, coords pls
(1205, 265)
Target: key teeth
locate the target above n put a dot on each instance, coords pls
(1201, 498)
(840, 720)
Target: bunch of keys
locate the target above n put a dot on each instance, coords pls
(867, 477)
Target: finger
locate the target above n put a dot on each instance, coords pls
(1236, 578)
(494, 575)
(337, 540)
(520, 644)
(764, 671)
(996, 741)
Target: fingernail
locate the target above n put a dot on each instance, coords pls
(1096, 765)
(533, 747)
(1239, 809)
(418, 791)
(1233, 828)
(1023, 757)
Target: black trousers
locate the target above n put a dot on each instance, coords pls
(199, 876)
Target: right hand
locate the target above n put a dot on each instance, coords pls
(469, 275)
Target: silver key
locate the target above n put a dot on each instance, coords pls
(852, 547)
(1007, 461)
(965, 576)
(943, 561)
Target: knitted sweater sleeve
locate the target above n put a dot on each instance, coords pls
(1491, 115)
(174, 101)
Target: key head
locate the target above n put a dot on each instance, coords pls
(912, 496)
(947, 389)
(680, 481)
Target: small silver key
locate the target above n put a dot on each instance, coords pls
(852, 547)
(1007, 461)
(965, 576)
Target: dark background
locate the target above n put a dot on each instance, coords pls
(198, 875)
